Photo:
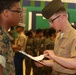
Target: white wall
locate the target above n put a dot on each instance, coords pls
(68, 1)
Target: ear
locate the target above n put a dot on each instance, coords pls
(5, 12)
(67, 15)
(62, 16)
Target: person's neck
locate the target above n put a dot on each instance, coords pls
(4, 26)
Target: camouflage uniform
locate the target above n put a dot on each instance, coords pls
(39, 48)
(29, 50)
(49, 43)
(7, 52)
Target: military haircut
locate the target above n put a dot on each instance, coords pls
(51, 31)
(39, 31)
(7, 4)
(29, 33)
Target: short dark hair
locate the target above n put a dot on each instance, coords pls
(7, 4)
(51, 31)
(29, 33)
(39, 31)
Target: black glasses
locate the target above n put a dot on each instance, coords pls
(51, 21)
(18, 11)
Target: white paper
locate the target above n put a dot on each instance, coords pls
(37, 58)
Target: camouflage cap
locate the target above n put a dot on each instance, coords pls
(51, 8)
(21, 25)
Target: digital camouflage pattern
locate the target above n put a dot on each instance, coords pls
(7, 52)
(29, 50)
(49, 43)
(39, 45)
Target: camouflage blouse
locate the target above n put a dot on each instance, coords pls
(6, 51)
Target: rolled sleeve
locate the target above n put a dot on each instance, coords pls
(2, 61)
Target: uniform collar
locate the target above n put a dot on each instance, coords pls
(66, 33)
(7, 34)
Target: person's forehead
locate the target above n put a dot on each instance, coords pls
(16, 5)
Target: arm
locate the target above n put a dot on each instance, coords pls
(16, 48)
(66, 62)
(2, 64)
